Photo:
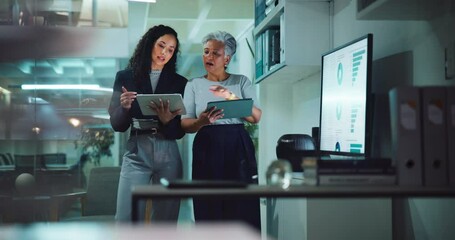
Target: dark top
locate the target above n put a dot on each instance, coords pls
(121, 119)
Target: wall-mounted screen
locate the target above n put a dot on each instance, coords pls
(345, 95)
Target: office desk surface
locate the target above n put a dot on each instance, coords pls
(295, 191)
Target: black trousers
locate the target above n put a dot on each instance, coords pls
(225, 152)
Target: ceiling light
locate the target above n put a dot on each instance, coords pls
(36, 100)
(95, 87)
(101, 116)
(36, 130)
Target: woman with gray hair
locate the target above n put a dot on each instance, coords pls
(222, 148)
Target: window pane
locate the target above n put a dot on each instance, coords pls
(54, 128)
(87, 13)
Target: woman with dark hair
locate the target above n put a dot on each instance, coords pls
(222, 148)
(151, 152)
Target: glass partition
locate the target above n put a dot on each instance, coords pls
(81, 13)
(54, 128)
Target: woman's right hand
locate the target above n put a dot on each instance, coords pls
(127, 98)
(211, 115)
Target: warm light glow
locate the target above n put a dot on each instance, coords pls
(95, 87)
(74, 121)
(5, 91)
(36, 130)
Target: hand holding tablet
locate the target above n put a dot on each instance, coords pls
(234, 108)
(175, 102)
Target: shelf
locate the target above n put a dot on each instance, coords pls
(288, 74)
(272, 19)
(295, 34)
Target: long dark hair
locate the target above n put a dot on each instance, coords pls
(140, 62)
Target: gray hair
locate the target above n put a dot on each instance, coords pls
(230, 45)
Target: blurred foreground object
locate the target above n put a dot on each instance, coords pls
(18, 43)
(279, 173)
(94, 230)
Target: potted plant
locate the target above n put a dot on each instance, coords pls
(96, 143)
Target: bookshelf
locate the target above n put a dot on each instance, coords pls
(290, 39)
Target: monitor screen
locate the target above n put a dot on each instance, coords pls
(345, 94)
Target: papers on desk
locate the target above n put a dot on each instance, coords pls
(350, 172)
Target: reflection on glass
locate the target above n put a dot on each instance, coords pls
(55, 134)
(103, 13)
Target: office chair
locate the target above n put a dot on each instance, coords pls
(100, 201)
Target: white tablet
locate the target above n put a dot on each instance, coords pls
(175, 100)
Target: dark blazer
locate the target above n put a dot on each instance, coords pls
(121, 118)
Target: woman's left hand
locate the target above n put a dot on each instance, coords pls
(163, 111)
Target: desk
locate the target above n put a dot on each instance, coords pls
(295, 191)
(36, 208)
(396, 193)
(47, 180)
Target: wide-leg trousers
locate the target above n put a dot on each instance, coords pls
(148, 158)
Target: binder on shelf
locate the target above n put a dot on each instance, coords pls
(450, 113)
(265, 53)
(434, 136)
(406, 135)
(282, 38)
(259, 11)
(269, 59)
(259, 65)
(275, 50)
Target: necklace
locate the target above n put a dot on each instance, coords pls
(220, 79)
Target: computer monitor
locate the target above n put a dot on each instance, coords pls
(345, 99)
